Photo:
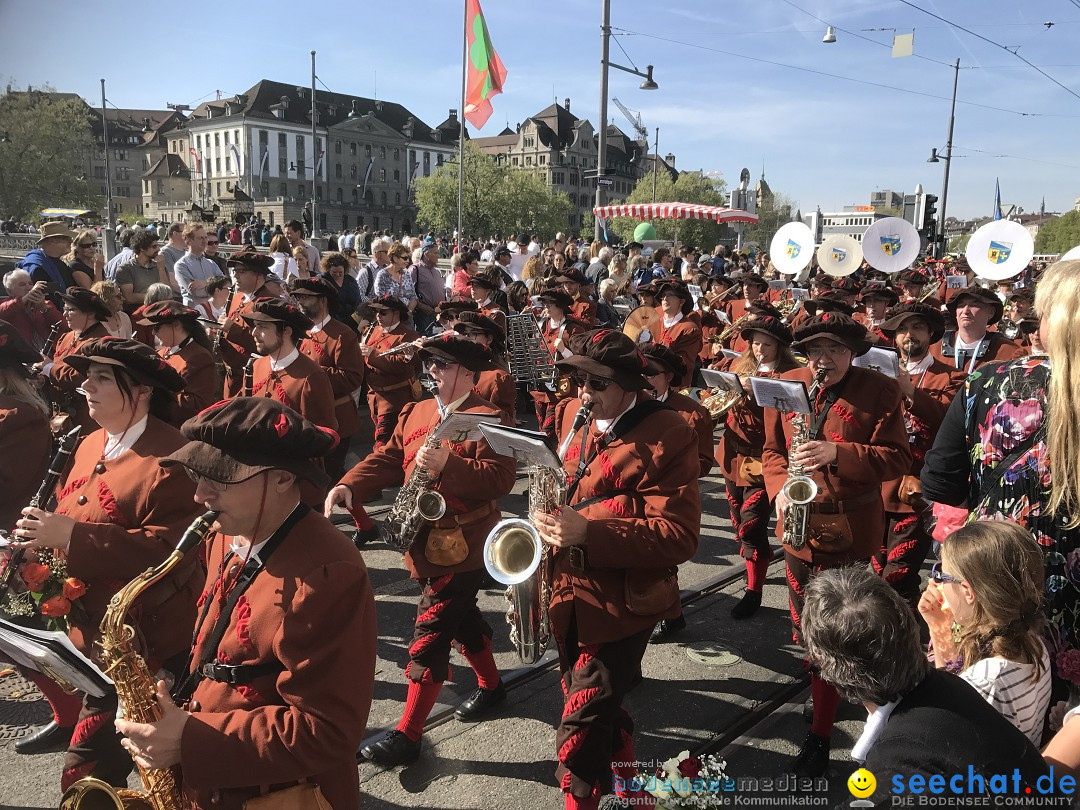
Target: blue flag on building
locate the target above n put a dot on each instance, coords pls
(997, 199)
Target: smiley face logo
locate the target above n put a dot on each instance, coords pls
(861, 783)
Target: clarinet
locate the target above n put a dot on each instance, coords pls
(57, 467)
(50, 342)
(249, 377)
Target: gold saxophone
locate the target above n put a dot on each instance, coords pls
(799, 488)
(135, 689)
(516, 556)
(416, 504)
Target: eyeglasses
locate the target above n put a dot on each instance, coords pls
(212, 242)
(217, 486)
(833, 350)
(88, 244)
(596, 384)
(939, 576)
(439, 363)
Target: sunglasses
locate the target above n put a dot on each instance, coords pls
(939, 576)
(439, 363)
(88, 244)
(212, 242)
(217, 486)
(595, 383)
(399, 256)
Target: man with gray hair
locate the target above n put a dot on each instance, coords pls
(597, 270)
(28, 309)
(380, 258)
(862, 638)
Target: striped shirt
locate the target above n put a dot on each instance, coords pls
(1007, 686)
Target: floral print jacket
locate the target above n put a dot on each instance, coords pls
(997, 418)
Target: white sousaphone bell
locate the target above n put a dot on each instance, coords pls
(1000, 249)
(792, 248)
(839, 255)
(891, 244)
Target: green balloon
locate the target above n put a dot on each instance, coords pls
(644, 232)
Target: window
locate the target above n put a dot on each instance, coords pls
(226, 138)
(198, 141)
(340, 195)
(543, 159)
(439, 159)
(228, 160)
(352, 149)
(219, 189)
(513, 161)
(300, 191)
(318, 193)
(397, 154)
(397, 175)
(367, 150)
(384, 199)
(264, 188)
(352, 172)
(99, 172)
(412, 157)
(217, 165)
(528, 161)
(382, 152)
(263, 138)
(217, 139)
(337, 147)
(397, 198)
(120, 154)
(282, 164)
(573, 160)
(337, 170)
(382, 175)
(355, 197)
(160, 186)
(283, 190)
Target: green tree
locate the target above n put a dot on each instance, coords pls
(958, 244)
(497, 199)
(45, 143)
(689, 187)
(1059, 235)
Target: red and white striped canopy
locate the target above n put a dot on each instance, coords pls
(675, 211)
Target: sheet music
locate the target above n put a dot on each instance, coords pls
(529, 448)
(778, 284)
(731, 355)
(723, 380)
(695, 292)
(52, 653)
(886, 361)
(799, 294)
(463, 427)
(789, 396)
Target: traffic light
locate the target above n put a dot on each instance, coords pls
(928, 226)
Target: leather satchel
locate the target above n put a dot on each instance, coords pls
(446, 546)
(750, 470)
(648, 592)
(829, 534)
(306, 796)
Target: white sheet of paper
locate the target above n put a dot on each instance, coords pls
(778, 284)
(35, 649)
(723, 380)
(463, 427)
(695, 291)
(799, 294)
(731, 355)
(884, 360)
(955, 282)
(785, 395)
(529, 448)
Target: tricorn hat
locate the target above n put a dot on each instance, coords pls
(239, 438)
(915, 309)
(611, 355)
(834, 326)
(142, 364)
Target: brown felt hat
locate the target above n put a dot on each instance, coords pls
(558, 298)
(983, 296)
(165, 311)
(388, 302)
(665, 357)
(753, 278)
(456, 306)
(239, 438)
(250, 260)
(881, 293)
(847, 285)
(317, 285)
(611, 355)
(480, 323)
(914, 309)
(837, 327)
(14, 350)
(51, 229)
(87, 301)
(457, 349)
(679, 289)
(572, 275)
(760, 308)
(648, 289)
(913, 277)
(832, 301)
(769, 325)
(141, 363)
(483, 280)
(273, 310)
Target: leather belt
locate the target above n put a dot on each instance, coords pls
(393, 387)
(450, 521)
(744, 449)
(846, 505)
(240, 673)
(342, 400)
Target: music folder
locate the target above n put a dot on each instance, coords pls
(52, 654)
(722, 380)
(528, 447)
(462, 427)
(789, 396)
(886, 361)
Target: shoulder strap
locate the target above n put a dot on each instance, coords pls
(630, 420)
(999, 472)
(193, 675)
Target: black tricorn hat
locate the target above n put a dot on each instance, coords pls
(86, 300)
(611, 355)
(983, 296)
(457, 349)
(914, 309)
(239, 438)
(274, 310)
(142, 363)
(837, 327)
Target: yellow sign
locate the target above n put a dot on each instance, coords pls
(861, 783)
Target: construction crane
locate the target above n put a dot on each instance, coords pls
(635, 121)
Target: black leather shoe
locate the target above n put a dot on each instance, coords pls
(813, 759)
(808, 710)
(480, 703)
(392, 750)
(666, 628)
(49, 739)
(362, 536)
(747, 606)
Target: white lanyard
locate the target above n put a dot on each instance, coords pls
(974, 355)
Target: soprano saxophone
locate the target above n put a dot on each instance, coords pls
(516, 556)
(135, 688)
(799, 488)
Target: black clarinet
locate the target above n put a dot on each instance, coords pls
(59, 464)
(249, 377)
(50, 342)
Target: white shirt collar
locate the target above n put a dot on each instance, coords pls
(241, 550)
(604, 425)
(959, 344)
(875, 724)
(664, 396)
(764, 368)
(922, 365)
(445, 410)
(284, 362)
(319, 326)
(670, 322)
(116, 444)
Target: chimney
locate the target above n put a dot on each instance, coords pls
(566, 103)
(670, 158)
(453, 115)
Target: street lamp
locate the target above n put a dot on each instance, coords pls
(939, 251)
(601, 146)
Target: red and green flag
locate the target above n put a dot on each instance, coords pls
(485, 73)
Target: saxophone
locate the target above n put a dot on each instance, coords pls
(135, 689)
(415, 504)
(516, 556)
(799, 488)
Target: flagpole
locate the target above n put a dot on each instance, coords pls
(461, 133)
(314, 151)
(948, 163)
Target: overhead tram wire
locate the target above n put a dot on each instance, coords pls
(838, 76)
(1013, 157)
(1016, 53)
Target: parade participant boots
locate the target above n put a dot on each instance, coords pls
(480, 703)
(756, 571)
(747, 606)
(402, 745)
(813, 758)
(666, 628)
(392, 750)
(49, 739)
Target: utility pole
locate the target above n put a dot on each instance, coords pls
(942, 246)
(110, 228)
(314, 151)
(461, 130)
(601, 144)
(656, 160)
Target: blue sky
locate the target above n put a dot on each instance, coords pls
(822, 139)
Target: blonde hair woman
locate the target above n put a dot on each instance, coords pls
(119, 323)
(1009, 449)
(983, 607)
(85, 260)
